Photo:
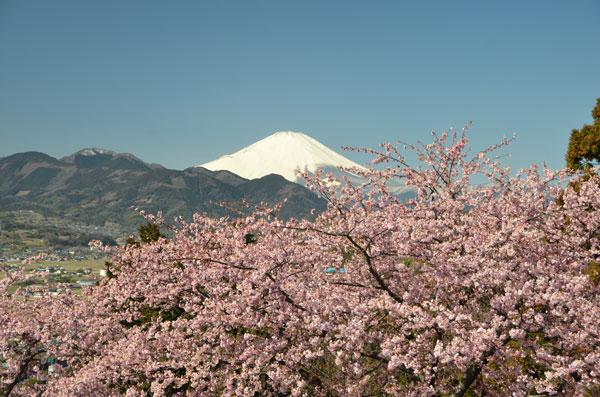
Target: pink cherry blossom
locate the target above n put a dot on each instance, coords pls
(466, 288)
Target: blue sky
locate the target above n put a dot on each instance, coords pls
(182, 82)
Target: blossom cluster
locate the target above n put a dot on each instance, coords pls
(467, 287)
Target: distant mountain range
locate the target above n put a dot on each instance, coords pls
(99, 187)
(96, 186)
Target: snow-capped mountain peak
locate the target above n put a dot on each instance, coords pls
(283, 153)
(94, 151)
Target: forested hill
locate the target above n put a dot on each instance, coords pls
(96, 186)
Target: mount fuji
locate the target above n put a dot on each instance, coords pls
(283, 153)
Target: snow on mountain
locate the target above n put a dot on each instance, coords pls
(96, 157)
(282, 153)
(95, 151)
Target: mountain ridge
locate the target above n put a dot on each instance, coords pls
(100, 188)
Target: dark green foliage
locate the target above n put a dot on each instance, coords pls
(110, 269)
(584, 144)
(171, 390)
(582, 153)
(149, 314)
(593, 272)
(149, 233)
(250, 238)
(179, 265)
(131, 241)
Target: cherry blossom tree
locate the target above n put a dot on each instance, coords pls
(483, 283)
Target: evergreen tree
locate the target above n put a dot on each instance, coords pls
(584, 144)
(149, 232)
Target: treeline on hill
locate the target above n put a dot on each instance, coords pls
(29, 229)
